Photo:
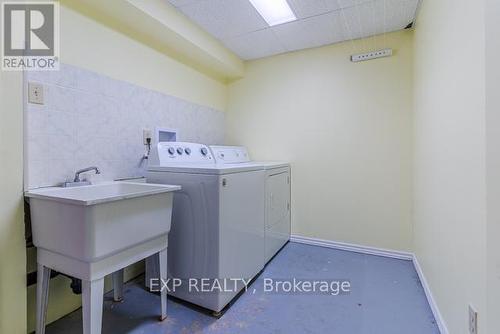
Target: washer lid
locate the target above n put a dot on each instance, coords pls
(206, 168)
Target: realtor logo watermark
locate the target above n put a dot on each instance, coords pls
(30, 39)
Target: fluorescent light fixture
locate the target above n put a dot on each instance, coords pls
(274, 11)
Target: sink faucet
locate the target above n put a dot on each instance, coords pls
(88, 169)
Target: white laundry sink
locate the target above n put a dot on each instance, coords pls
(91, 222)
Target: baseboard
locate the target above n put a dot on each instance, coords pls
(353, 247)
(430, 298)
(385, 253)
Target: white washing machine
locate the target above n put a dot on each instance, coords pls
(217, 220)
(277, 194)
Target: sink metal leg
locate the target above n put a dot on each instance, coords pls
(162, 264)
(118, 285)
(92, 299)
(42, 297)
(152, 270)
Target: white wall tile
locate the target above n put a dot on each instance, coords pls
(58, 122)
(60, 98)
(89, 119)
(36, 120)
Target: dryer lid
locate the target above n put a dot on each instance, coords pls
(230, 154)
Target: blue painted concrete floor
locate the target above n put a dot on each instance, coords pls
(386, 297)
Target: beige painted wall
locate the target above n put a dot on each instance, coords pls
(91, 45)
(450, 170)
(12, 244)
(347, 130)
(493, 163)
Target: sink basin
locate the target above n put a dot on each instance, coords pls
(91, 222)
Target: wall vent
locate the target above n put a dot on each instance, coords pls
(371, 55)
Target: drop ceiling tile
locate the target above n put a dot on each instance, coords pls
(378, 17)
(307, 8)
(311, 32)
(256, 44)
(225, 18)
(398, 13)
(303, 9)
(320, 22)
(357, 20)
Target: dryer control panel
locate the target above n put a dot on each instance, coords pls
(230, 154)
(183, 152)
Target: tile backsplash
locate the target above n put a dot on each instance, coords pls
(90, 119)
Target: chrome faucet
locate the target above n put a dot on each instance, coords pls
(77, 182)
(88, 169)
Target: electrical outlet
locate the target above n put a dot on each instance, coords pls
(35, 93)
(472, 320)
(147, 134)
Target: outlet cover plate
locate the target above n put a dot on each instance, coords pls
(35, 93)
(147, 133)
(472, 320)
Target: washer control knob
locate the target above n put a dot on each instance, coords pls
(179, 151)
(204, 151)
(171, 150)
(187, 150)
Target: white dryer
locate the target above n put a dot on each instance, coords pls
(217, 220)
(277, 194)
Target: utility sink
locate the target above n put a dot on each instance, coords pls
(92, 222)
(92, 231)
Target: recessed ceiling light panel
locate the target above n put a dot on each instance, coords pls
(274, 11)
